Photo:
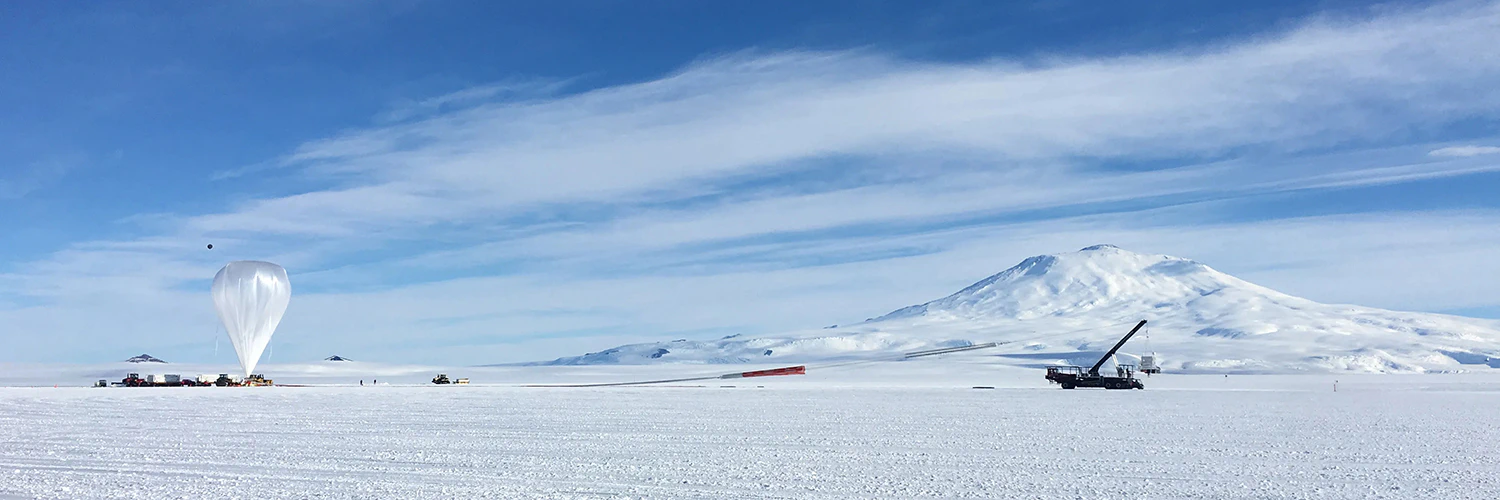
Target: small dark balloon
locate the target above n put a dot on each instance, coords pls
(210, 246)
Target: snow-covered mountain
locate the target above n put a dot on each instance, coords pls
(1068, 308)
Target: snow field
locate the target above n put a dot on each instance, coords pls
(1427, 436)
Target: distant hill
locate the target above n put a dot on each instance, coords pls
(144, 358)
(337, 358)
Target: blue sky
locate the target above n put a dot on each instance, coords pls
(480, 182)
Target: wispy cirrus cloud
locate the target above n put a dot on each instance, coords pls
(1465, 151)
(1318, 86)
(513, 91)
(19, 181)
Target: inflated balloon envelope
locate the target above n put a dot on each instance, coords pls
(251, 296)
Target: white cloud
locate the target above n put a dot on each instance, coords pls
(1317, 86)
(24, 180)
(511, 91)
(1465, 151)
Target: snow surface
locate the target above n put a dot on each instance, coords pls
(881, 430)
(1068, 308)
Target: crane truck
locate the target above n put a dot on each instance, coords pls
(1074, 376)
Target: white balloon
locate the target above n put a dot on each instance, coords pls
(251, 296)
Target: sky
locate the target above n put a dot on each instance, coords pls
(472, 182)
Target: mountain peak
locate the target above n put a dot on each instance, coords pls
(144, 358)
(1093, 278)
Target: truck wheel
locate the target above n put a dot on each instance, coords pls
(1067, 386)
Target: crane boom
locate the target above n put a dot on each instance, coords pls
(1095, 370)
